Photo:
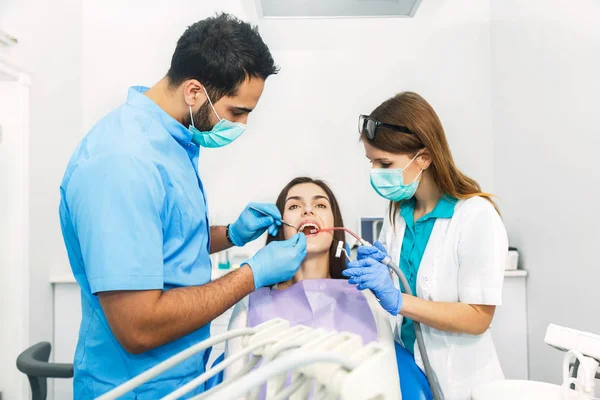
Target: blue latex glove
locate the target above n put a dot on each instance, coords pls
(376, 252)
(251, 224)
(278, 261)
(371, 274)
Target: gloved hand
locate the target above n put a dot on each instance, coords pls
(251, 224)
(278, 261)
(371, 274)
(376, 252)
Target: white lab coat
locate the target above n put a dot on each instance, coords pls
(463, 262)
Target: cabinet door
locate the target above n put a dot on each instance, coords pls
(509, 329)
(14, 207)
(67, 318)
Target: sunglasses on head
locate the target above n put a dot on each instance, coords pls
(370, 125)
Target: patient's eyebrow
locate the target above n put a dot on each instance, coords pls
(319, 197)
(294, 198)
(300, 198)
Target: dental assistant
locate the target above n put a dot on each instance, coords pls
(134, 216)
(446, 235)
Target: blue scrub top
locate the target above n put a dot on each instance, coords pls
(416, 236)
(134, 217)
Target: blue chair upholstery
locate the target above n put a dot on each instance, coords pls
(413, 382)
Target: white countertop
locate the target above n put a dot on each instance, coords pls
(515, 273)
(69, 278)
(64, 278)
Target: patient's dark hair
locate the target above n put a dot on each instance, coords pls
(336, 265)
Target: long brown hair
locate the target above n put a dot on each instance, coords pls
(336, 265)
(414, 112)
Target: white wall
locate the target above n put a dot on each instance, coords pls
(545, 85)
(332, 70)
(49, 50)
(14, 229)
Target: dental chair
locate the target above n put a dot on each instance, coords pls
(33, 362)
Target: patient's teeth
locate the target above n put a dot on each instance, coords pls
(309, 224)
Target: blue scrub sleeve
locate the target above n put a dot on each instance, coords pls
(115, 204)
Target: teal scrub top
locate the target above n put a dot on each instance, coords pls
(134, 217)
(416, 236)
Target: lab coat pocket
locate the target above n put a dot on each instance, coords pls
(425, 286)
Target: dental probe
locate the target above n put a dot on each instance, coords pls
(266, 213)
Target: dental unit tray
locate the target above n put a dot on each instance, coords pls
(335, 365)
(566, 339)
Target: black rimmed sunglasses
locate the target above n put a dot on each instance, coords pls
(369, 126)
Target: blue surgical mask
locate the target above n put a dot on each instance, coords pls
(223, 133)
(389, 183)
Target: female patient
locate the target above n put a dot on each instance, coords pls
(332, 302)
(308, 204)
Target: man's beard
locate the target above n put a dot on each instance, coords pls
(201, 118)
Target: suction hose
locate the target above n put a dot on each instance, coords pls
(431, 377)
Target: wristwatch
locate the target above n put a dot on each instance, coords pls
(227, 234)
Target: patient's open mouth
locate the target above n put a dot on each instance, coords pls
(309, 228)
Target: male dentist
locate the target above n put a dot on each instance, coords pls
(134, 216)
